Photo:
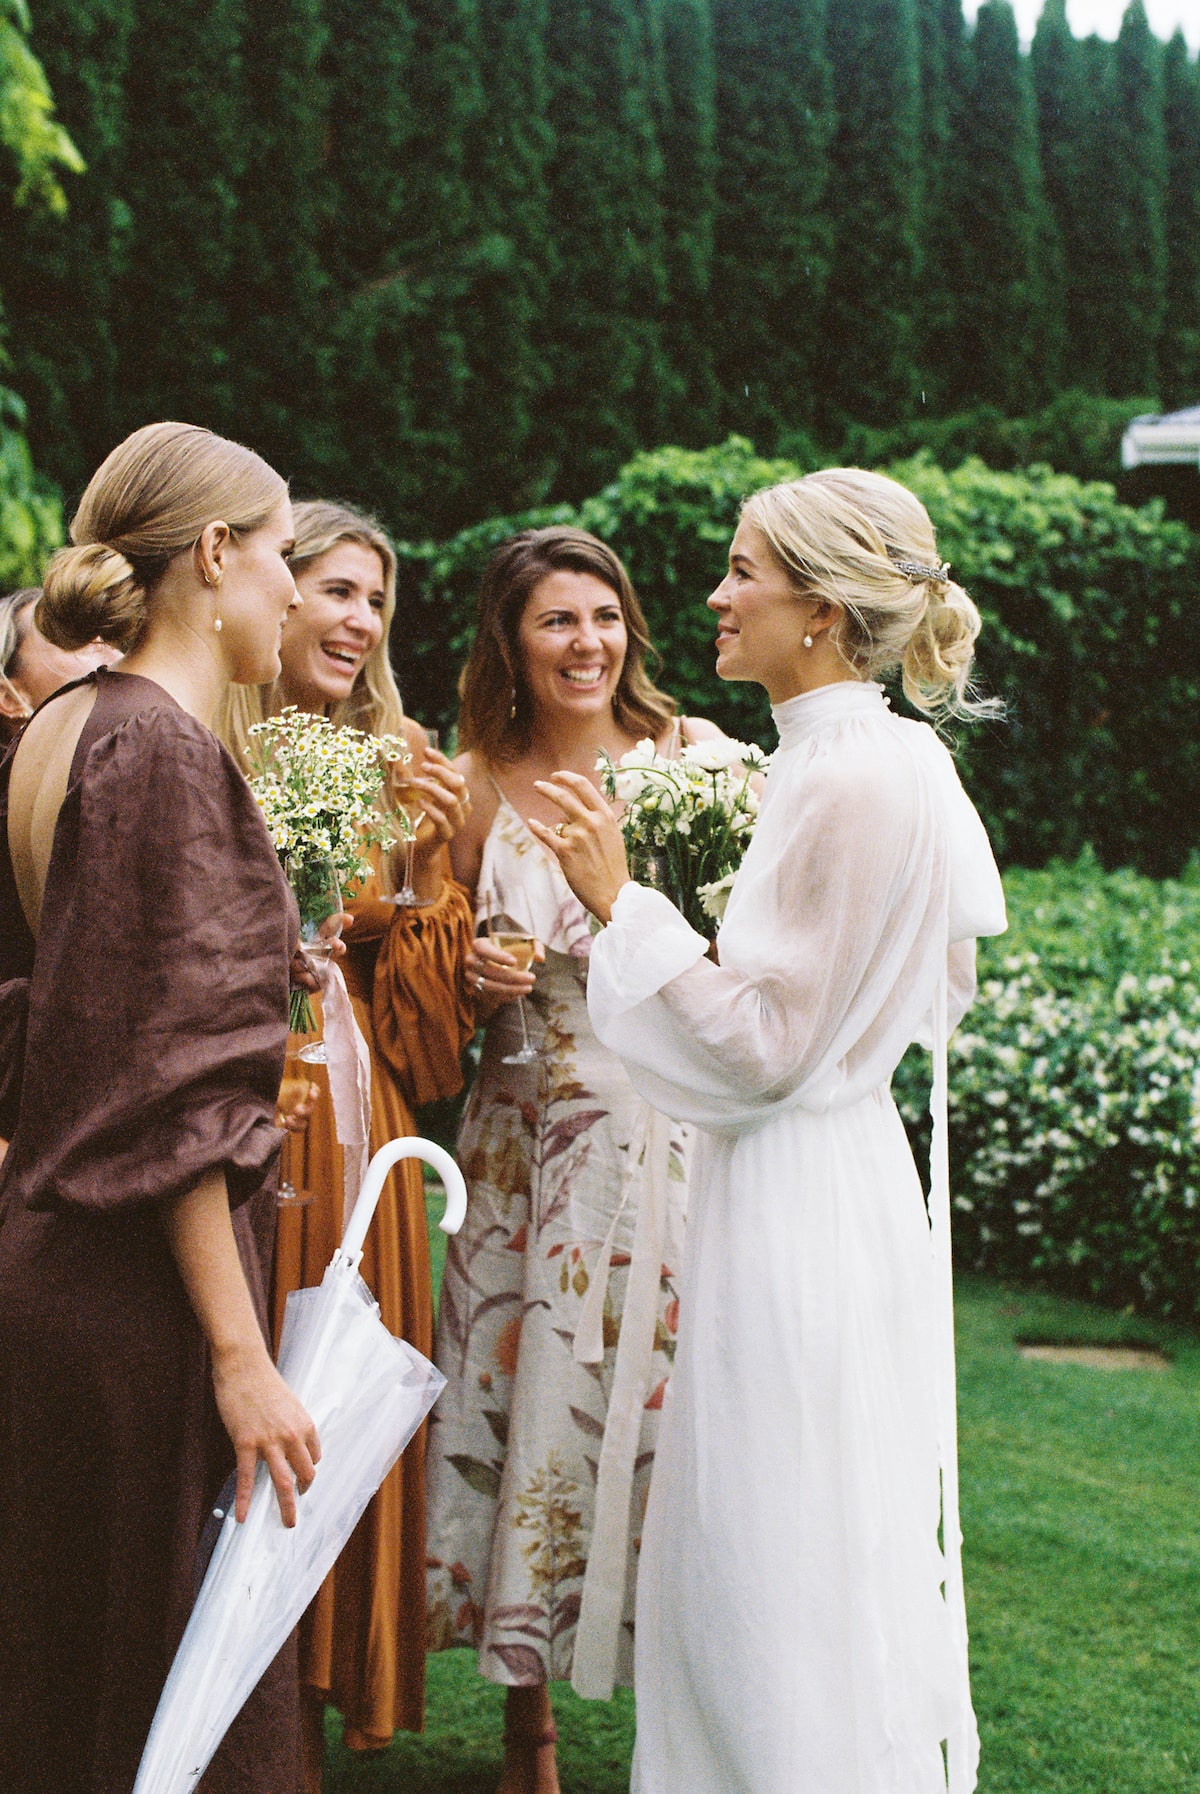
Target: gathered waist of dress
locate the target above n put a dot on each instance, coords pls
(802, 1109)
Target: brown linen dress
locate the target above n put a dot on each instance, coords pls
(153, 1011)
(362, 1642)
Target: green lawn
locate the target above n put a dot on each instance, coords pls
(1081, 1510)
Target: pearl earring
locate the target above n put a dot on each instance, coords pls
(808, 641)
(217, 624)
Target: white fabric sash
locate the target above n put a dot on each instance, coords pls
(597, 1637)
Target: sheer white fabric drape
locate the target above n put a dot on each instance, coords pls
(793, 1636)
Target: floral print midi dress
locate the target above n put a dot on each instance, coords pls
(518, 1434)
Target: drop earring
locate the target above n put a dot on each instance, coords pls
(808, 641)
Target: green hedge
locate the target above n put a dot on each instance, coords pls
(1074, 1080)
(1090, 635)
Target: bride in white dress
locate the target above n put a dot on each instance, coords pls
(799, 1630)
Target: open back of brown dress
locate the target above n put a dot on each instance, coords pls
(141, 1047)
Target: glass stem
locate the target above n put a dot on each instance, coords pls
(408, 863)
(524, 1029)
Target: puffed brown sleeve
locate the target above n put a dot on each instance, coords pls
(14, 1012)
(158, 1023)
(422, 1016)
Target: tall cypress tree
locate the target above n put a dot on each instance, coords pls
(185, 123)
(1179, 355)
(403, 84)
(942, 37)
(1006, 337)
(1137, 209)
(606, 218)
(868, 339)
(59, 272)
(276, 293)
(685, 90)
(506, 315)
(771, 256)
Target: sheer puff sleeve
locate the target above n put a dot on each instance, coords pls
(421, 1015)
(158, 1013)
(830, 950)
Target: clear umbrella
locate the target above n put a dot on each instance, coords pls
(367, 1393)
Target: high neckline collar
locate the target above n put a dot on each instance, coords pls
(799, 717)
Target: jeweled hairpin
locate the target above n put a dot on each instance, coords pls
(917, 570)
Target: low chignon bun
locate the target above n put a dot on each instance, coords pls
(91, 591)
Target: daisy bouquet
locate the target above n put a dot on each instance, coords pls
(321, 791)
(687, 823)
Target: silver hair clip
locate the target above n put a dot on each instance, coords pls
(917, 570)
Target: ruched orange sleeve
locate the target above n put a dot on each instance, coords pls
(420, 1011)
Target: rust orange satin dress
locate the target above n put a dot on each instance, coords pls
(362, 1642)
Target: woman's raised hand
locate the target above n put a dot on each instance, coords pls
(443, 792)
(494, 977)
(587, 843)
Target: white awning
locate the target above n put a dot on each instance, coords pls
(1163, 441)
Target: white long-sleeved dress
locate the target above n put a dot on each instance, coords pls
(793, 1634)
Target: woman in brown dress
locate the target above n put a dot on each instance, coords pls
(145, 937)
(362, 1643)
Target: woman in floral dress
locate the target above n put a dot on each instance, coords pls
(558, 1312)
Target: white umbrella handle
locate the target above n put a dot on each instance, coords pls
(453, 1216)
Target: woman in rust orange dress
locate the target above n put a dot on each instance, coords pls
(363, 1640)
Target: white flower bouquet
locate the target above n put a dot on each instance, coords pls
(687, 822)
(321, 791)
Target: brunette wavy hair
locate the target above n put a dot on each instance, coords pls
(496, 718)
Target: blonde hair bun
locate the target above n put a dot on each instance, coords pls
(90, 591)
(866, 545)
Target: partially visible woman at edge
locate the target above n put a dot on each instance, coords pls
(31, 668)
(362, 1643)
(145, 938)
(556, 673)
(799, 1629)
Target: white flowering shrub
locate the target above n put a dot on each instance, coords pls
(1074, 1085)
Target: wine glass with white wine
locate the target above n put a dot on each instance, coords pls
(413, 806)
(522, 947)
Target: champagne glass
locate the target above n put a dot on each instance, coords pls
(522, 948)
(318, 893)
(292, 1092)
(412, 805)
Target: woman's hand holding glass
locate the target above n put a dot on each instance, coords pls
(494, 976)
(434, 797)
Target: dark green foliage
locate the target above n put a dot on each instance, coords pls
(866, 365)
(507, 315)
(183, 165)
(773, 212)
(609, 278)
(1071, 83)
(1075, 433)
(1088, 635)
(942, 38)
(1004, 343)
(403, 94)
(1179, 355)
(60, 272)
(1072, 1091)
(1136, 235)
(685, 109)
(277, 286)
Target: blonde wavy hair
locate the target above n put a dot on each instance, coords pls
(865, 544)
(148, 501)
(374, 704)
